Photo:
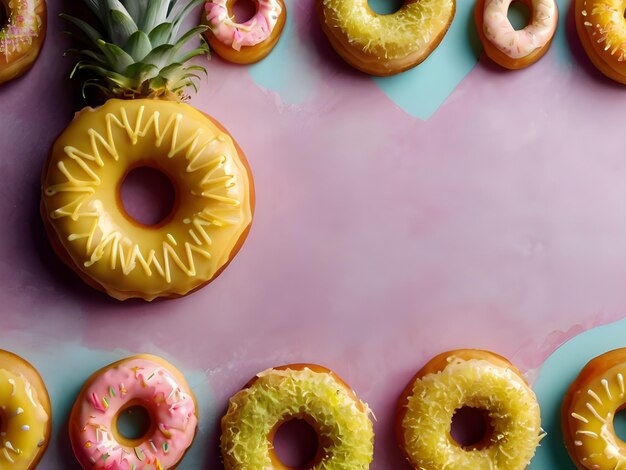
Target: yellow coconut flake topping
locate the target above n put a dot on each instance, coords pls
(343, 423)
(392, 36)
(604, 21)
(510, 404)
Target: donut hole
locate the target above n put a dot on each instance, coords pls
(147, 195)
(385, 7)
(243, 10)
(519, 15)
(471, 427)
(4, 14)
(133, 423)
(619, 424)
(296, 444)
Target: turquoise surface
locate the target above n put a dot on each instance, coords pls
(419, 91)
(557, 372)
(289, 69)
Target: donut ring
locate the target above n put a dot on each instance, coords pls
(476, 379)
(243, 43)
(143, 380)
(588, 409)
(601, 27)
(88, 226)
(22, 37)
(302, 391)
(510, 48)
(25, 413)
(385, 44)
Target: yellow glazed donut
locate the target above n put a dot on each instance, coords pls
(601, 28)
(21, 38)
(588, 410)
(298, 391)
(89, 227)
(385, 44)
(144, 381)
(475, 379)
(25, 416)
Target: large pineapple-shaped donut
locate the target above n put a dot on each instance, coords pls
(140, 55)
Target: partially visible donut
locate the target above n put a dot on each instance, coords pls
(25, 416)
(21, 37)
(476, 379)
(298, 391)
(588, 409)
(385, 44)
(247, 42)
(601, 28)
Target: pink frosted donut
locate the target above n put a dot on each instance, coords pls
(145, 381)
(243, 42)
(511, 48)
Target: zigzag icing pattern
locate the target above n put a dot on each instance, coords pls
(114, 248)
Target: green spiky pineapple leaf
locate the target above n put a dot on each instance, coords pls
(137, 51)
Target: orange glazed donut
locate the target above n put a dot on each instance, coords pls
(21, 37)
(602, 31)
(248, 42)
(89, 227)
(385, 44)
(588, 410)
(476, 379)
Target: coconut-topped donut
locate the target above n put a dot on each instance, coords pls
(21, 37)
(385, 44)
(299, 391)
(475, 379)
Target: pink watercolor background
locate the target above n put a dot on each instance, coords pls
(379, 240)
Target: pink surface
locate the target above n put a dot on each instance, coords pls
(379, 239)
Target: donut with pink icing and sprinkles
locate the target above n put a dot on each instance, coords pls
(511, 48)
(247, 42)
(21, 36)
(142, 381)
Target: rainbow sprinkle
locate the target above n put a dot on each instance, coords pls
(139, 453)
(165, 431)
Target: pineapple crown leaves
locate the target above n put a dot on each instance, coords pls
(140, 52)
